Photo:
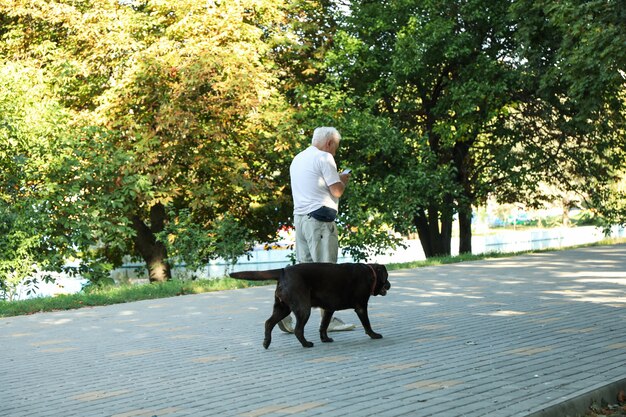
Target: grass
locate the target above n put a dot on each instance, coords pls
(129, 293)
(120, 294)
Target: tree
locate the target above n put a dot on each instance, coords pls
(434, 72)
(483, 105)
(177, 118)
(202, 115)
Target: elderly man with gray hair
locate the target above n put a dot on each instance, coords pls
(316, 188)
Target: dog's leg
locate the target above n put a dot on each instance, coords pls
(281, 310)
(365, 321)
(327, 315)
(302, 316)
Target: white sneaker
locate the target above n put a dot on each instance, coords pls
(337, 325)
(286, 324)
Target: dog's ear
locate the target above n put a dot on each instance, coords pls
(381, 271)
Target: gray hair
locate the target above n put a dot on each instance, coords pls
(321, 134)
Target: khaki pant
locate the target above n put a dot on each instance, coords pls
(316, 241)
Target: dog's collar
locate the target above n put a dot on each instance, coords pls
(375, 278)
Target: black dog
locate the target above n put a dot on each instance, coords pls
(329, 286)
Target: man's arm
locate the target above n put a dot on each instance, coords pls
(338, 188)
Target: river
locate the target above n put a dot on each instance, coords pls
(259, 259)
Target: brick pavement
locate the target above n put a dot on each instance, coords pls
(502, 337)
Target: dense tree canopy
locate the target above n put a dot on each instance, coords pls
(481, 98)
(175, 113)
(199, 110)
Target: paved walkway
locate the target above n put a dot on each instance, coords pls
(504, 337)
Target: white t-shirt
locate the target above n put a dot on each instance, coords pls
(312, 171)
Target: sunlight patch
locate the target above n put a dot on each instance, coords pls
(529, 351)
(99, 395)
(330, 359)
(504, 313)
(432, 384)
(399, 366)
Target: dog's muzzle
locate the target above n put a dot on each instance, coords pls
(383, 290)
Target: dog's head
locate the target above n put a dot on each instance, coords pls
(382, 282)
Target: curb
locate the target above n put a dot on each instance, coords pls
(578, 403)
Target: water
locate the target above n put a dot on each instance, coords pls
(502, 241)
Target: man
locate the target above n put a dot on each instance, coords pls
(316, 188)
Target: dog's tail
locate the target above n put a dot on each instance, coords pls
(272, 274)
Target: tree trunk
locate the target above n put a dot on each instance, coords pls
(423, 231)
(153, 252)
(435, 241)
(566, 205)
(465, 229)
(463, 162)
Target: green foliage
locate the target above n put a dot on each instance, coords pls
(31, 132)
(487, 98)
(609, 201)
(19, 249)
(430, 77)
(172, 103)
(195, 245)
(573, 57)
(201, 116)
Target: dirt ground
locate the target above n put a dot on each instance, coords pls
(609, 410)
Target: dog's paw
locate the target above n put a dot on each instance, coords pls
(375, 335)
(266, 343)
(307, 344)
(327, 340)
